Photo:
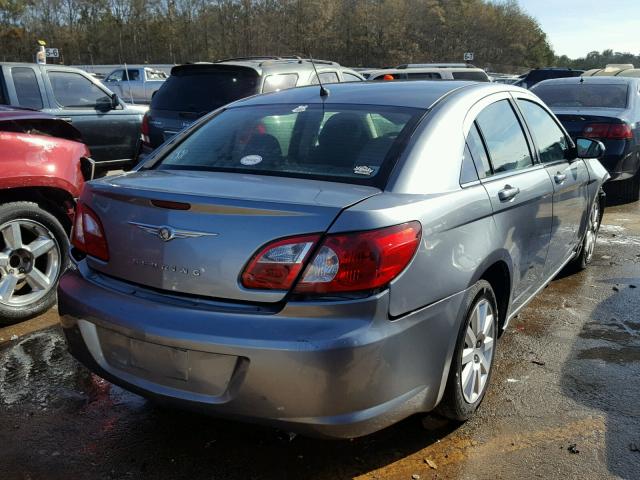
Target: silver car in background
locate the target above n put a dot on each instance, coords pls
(135, 84)
(330, 263)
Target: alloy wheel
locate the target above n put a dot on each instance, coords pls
(477, 354)
(29, 262)
(592, 231)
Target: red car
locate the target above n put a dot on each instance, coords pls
(43, 166)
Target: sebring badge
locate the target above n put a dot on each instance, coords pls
(166, 233)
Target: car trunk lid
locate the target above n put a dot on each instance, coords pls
(194, 232)
(576, 120)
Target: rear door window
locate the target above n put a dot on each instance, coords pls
(275, 83)
(203, 89)
(27, 89)
(550, 139)
(504, 138)
(73, 90)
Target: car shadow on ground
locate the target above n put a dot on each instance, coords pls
(603, 369)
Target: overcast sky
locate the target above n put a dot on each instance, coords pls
(577, 27)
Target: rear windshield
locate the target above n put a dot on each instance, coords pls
(584, 95)
(204, 90)
(475, 76)
(358, 144)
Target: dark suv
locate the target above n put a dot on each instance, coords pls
(536, 75)
(195, 89)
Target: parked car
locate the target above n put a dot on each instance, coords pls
(607, 109)
(429, 73)
(330, 264)
(137, 84)
(193, 90)
(109, 127)
(43, 166)
(536, 75)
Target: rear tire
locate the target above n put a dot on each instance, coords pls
(585, 254)
(473, 358)
(33, 254)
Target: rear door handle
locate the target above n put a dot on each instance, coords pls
(508, 193)
(559, 177)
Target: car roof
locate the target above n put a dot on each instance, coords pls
(267, 64)
(412, 93)
(601, 80)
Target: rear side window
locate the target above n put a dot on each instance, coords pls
(27, 89)
(594, 95)
(478, 152)
(326, 77)
(503, 135)
(72, 90)
(475, 76)
(332, 142)
(424, 76)
(275, 83)
(468, 172)
(550, 140)
(350, 77)
(204, 89)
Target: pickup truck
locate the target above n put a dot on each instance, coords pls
(109, 127)
(135, 84)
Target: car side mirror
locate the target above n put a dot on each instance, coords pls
(115, 101)
(588, 148)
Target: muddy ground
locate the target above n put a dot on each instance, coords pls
(563, 404)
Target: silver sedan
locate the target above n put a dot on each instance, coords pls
(330, 262)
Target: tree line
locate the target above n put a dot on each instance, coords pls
(599, 60)
(371, 33)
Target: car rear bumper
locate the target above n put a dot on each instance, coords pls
(333, 369)
(621, 167)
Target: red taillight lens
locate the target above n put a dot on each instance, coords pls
(608, 131)
(144, 131)
(88, 234)
(387, 77)
(279, 263)
(361, 261)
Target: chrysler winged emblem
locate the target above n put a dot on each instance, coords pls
(166, 233)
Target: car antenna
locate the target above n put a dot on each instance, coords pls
(323, 91)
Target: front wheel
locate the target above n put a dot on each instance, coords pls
(33, 254)
(473, 358)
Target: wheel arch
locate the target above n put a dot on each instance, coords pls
(56, 201)
(497, 271)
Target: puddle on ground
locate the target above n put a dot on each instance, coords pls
(38, 370)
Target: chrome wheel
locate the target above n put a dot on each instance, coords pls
(477, 354)
(29, 262)
(592, 232)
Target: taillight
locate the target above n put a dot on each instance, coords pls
(279, 263)
(360, 261)
(608, 131)
(144, 131)
(88, 234)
